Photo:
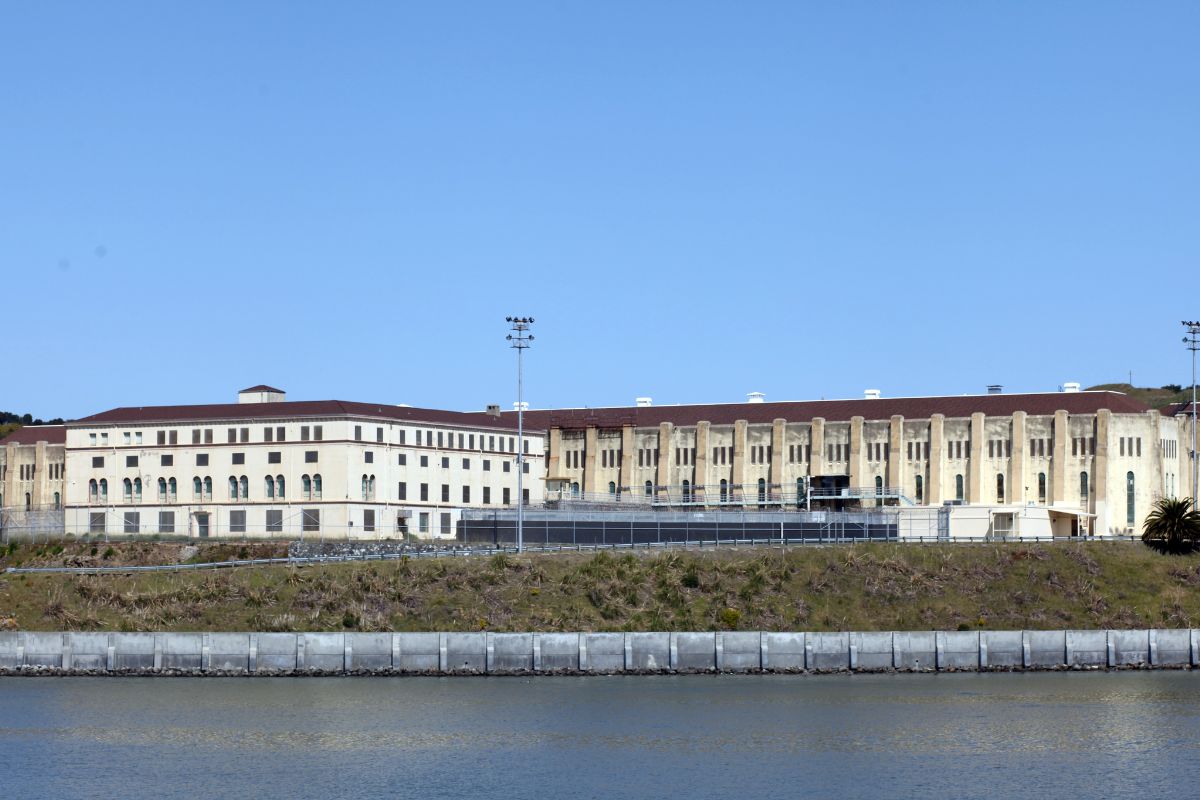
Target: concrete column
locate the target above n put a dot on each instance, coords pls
(10, 478)
(739, 456)
(1156, 451)
(590, 443)
(1016, 464)
(778, 427)
(41, 476)
(662, 475)
(975, 468)
(816, 435)
(1100, 472)
(1058, 461)
(896, 454)
(856, 452)
(935, 491)
(625, 480)
(554, 460)
(701, 466)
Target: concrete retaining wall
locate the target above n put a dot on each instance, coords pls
(531, 653)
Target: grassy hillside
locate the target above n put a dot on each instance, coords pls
(868, 587)
(1155, 398)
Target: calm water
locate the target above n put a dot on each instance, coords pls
(945, 736)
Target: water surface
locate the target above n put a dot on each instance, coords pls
(938, 736)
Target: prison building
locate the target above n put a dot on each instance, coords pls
(32, 465)
(266, 466)
(1095, 460)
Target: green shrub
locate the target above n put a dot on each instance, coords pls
(730, 617)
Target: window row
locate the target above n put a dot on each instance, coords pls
(1083, 446)
(1127, 446)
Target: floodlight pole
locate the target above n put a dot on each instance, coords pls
(1192, 341)
(520, 340)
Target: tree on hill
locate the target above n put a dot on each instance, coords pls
(1173, 526)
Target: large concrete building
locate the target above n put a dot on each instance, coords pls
(1084, 462)
(265, 466)
(32, 465)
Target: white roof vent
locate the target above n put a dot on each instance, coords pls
(1071, 387)
(644, 402)
(871, 394)
(755, 397)
(522, 406)
(995, 388)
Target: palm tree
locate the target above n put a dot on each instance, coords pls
(1173, 526)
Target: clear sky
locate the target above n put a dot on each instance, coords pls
(694, 200)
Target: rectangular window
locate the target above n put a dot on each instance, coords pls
(162, 437)
(369, 457)
(526, 443)
(512, 445)
(133, 522)
(466, 494)
(304, 433)
(525, 496)
(402, 491)
(445, 462)
(96, 522)
(402, 459)
(201, 459)
(525, 467)
(275, 457)
(245, 435)
(466, 463)
(275, 521)
(208, 436)
(1139, 447)
(491, 443)
(97, 462)
(318, 433)
(166, 461)
(446, 530)
(423, 522)
(487, 495)
(1122, 445)
(445, 493)
(368, 519)
(505, 498)
(232, 434)
(460, 441)
(424, 461)
(237, 521)
(166, 522)
(268, 434)
(471, 441)
(195, 436)
(506, 466)
(173, 437)
(279, 434)
(424, 492)
(131, 461)
(312, 519)
(487, 465)
(239, 458)
(310, 456)
(439, 439)
(127, 437)
(379, 434)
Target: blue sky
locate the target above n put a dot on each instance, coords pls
(694, 200)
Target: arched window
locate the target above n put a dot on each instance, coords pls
(612, 488)
(28, 501)
(1083, 489)
(1041, 487)
(878, 491)
(104, 490)
(197, 489)
(245, 485)
(371, 487)
(171, 487)
(233, 488)
(93, 491)
(305, 487)
(920, 489)
(800, 493)
(162, 490)
(279, 487)
(207, 488)
(137, 490)
(575, 489)
(127, 493)
(687, 492)
(724, 491)
(999, 488)
(57, 501)
(1129, 509)
(269, 487)
(364, 487)
(317, 487)
(649, 489)
(958, 487)
(762, 490)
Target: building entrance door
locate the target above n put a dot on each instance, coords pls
(202, 525)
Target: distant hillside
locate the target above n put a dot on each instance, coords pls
(9, 422)
(1155, 398)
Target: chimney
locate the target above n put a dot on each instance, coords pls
(995, 388)
(644, 402)
(755, 397)
(493, 411)
(871, 394)
(1070, 387)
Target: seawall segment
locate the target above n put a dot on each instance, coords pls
(40, 653)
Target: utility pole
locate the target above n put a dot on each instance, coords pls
(520, 340)
(1192, 342)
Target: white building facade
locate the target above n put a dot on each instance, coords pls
(266, 467)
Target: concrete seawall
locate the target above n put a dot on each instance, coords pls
(584, 653)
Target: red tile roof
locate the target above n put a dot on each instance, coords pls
(301, 408)
(834, 410)
(32, 434)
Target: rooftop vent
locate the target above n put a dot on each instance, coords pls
(493, 411)
(871, 394)
(755, 397)
(644, 402)
(522, 406)
(261, 394)
(995, 388)
(1070, 387)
